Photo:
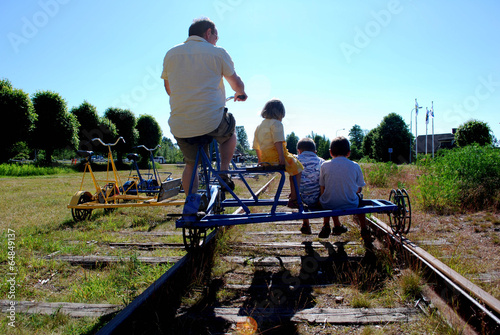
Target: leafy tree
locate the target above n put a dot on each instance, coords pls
(55, 127)
(92, 126)
(291, 143)
(5, 83)
(322, 145)
(242, 139)
(356, 136)
(170, 151)
(149, 135)
(323, 149)
(18, 116)
(392, 133)
(368, 142)
(149, 131)
(473, 131)
(125, 122)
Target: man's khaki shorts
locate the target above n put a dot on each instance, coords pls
(189, 146)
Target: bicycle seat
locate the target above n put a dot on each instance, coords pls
(200, 140)
(133, 157)
(84, 153)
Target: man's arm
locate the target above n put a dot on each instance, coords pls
(167, 86)
(238, 86)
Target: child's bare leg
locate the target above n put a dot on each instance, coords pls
(306, 227)
(365, 233)
(326, 221)
(326, 230)
(361, 221)
(293, 192)
(305, 223)
(292, 201)
(338, 229)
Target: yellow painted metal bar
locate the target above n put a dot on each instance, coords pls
(94, 205)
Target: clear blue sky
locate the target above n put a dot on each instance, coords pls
(333, 63)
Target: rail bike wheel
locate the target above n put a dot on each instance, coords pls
(407, 211)
(193, 238)
(399, 219)
(220, 197)
(82, 214)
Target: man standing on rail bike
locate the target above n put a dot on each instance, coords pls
(192, 73)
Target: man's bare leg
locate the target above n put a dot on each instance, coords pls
(186, 179)
(226, 152)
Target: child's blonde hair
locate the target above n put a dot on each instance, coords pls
(273, 109)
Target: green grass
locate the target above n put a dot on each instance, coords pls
(379, 174)
(25, 170)
(34, 207)
(461, 179)
(117, 284)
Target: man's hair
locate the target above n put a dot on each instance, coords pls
(273, 109)
(306, 144)
(200, 26)
(340, 146)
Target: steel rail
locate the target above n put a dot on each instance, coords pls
(477, 307)
(156, 306)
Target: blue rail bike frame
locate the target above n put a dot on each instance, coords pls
(214, 218)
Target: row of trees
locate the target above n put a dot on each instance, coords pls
(390, 140)
(374, 144)
(43, 123)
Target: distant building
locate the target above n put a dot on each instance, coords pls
(441, 141)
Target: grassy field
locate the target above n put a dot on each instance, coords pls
(33, 211)
(35, 223)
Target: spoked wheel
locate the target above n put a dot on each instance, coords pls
(407, 211)
(82, 214)
(193, 237)
(400, 219)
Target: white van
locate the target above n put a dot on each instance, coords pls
(159, 160)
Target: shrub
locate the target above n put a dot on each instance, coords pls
(378, 174)
(25, 170)
(473, 131)
(462, 179)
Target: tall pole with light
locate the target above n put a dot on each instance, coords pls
(427, 112)
(432, 115)
(336, 133)
(417, 107)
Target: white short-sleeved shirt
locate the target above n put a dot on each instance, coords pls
(341, 178)
(195, 71)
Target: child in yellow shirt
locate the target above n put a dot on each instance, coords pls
(270, 145)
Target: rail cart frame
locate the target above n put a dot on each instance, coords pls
(110, 194)
(146, 183)
(204, 210)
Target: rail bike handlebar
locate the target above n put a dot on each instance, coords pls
(109, 144)
(144, 147)
(241, 97)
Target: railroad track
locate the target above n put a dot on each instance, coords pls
(275, 280)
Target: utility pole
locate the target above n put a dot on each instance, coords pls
(427, 112)
(432, 115)
(417, 107)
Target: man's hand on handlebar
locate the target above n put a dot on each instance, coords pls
(240, 97)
